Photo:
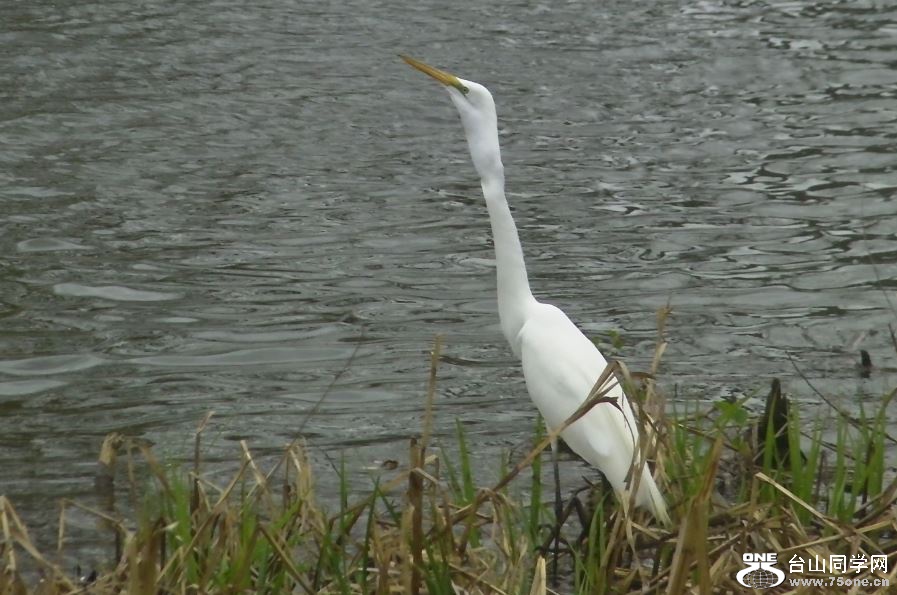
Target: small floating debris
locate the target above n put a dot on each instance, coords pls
(865, 366)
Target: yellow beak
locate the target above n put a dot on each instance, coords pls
(440, 75)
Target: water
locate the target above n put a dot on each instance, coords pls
(224, 206)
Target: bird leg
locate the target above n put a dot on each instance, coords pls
(574, 504)
(559, 516)
(598, 495)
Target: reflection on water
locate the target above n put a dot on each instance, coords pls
(216, 206)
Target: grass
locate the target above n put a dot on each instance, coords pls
(427, 527)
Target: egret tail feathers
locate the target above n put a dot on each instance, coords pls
(649, 496)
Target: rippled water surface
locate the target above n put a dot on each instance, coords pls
(225, 205)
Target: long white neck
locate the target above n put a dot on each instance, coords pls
(514, 295)
(480, 122)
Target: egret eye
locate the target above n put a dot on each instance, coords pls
(464, 89)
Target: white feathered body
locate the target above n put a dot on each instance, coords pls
(561, 366)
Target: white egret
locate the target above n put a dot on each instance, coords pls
(560, 365)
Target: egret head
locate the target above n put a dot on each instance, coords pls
(477, 108)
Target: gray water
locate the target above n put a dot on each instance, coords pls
(218, 205)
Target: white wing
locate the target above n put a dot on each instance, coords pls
(561, 366)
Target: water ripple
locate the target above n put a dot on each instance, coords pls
(250, 357)
(49, 245)
(18, 388)
(50, 364)
(113, 292)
